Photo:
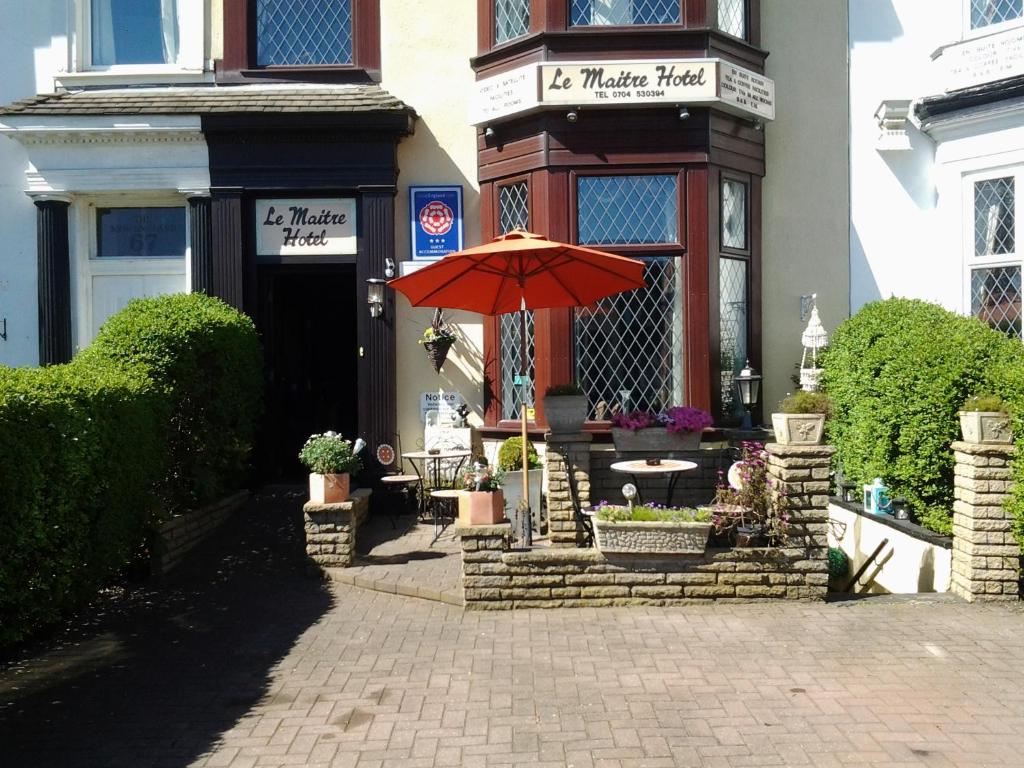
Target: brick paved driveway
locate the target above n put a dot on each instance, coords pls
(251, 663)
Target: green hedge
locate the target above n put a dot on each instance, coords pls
(1008, 382)
(898, 372)
(162, 407)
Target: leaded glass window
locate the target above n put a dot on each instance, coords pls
(732, 312)
(996, 298)
(511, 19)
(303, 32)
(732, 17)
(985, 13)
(627, 209)
(994, 264)
(629, 347)
(623, 12)
(513, 213)
(994, 225)
(734, 214)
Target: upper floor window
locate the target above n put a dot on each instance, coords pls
(511, 19)
(303, 32)
(624, 12)
(993, 261)
(732, 17)
(988, 13)
(134, 32)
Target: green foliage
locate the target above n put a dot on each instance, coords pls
(510, 455)
(807, 402)
(897, 373)
(482, 477)
(558, 390)
(987, 402)
(329, 454)
(838, 563)
(642, 513)
(90, 451)
(1008, 379)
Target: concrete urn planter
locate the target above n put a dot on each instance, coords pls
(481, 507)
(565, 413)
(985, 427)
(651, 538)
(654, 440)
(328, 489)
(799, 428)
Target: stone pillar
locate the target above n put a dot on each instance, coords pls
(562, 452)
(331, 529)
(54, 263)
(200, 236)
(482, 576)
(801, 472)
(986, 557)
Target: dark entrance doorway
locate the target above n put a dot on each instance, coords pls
(307, 319)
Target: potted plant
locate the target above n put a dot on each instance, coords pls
(565, 408)
(801, 418)
(678, 428)
(985, 419)
(481, 501)
(749, 511)
(331, 461)
(651, 529)
(437, 339)
(510, 464)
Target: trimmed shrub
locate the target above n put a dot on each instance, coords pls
(1008, 381)
(510, 455)
(205, 357)
(897, 372)
(160, 410)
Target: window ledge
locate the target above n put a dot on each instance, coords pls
(148, 75)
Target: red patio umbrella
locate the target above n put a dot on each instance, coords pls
(516, 272)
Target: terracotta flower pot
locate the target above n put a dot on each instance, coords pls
(481, 507)
(328, 489)
(985, 427)
(799, 428)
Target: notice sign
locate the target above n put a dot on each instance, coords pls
(436, 221)
(746, 90)
(306, 227)
(513, 91)
(985, 59)
(445, 403)
(628, 82)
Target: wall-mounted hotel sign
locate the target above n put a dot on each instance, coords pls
(306, 227)
(983, 60)
(435, 215)
(686, 82)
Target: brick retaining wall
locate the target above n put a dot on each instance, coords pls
(331, 529)
(177, 536)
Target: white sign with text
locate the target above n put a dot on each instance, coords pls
(445, 403)
(985, 59)
(306, 227)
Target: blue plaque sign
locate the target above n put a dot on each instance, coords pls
(435, 215)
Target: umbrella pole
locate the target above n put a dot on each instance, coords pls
(524, 506)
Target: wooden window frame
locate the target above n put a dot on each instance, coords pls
(240, 47)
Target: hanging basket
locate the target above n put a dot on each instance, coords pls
(437, 352)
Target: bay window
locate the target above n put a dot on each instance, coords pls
(514, 213)
(623, 12)
(993, 261)
(733, 289)
(732, 17)
(511, 19)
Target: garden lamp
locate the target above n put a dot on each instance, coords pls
(748, 384)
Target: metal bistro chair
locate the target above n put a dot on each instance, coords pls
(397, 483)
(585, 522)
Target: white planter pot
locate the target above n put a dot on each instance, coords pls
(654, 440)
(512, 485)
(799, 428)
(565, 414)
(985, 427)
(652, 538)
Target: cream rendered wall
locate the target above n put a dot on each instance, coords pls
(806, 190)
(425, 62)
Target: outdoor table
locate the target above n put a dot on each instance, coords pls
(639, 467)
(433, 471)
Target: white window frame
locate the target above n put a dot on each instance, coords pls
(191, 43)
(88, 265)
(970, 260)
(970, 34)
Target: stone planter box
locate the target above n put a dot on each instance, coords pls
(985, 427)
(654, 440)
(328, 489)
(652, 538)
(799, 428)
(481, 507)
(565, 414)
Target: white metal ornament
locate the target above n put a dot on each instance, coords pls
(813, 339)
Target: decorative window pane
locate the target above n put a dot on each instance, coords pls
(985, 13)
(732, 17)
(627, 209)
(140, 233)
(994, 223)
(134, 32)
(624, 12)
(732, 311)
(513, 213)
(629, 347)
(511, 19)
(995, 298)
(303, 32)
(734, 214)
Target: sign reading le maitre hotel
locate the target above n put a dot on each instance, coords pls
(616, 83)
(306, 227)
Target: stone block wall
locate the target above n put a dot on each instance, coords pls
(801, 472)
(175, 538)
(331, 529)
(986, 557)
(562, 452)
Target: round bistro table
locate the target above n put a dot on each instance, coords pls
(640, 468)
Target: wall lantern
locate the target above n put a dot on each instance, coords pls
(375, 295)
(748, 385)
